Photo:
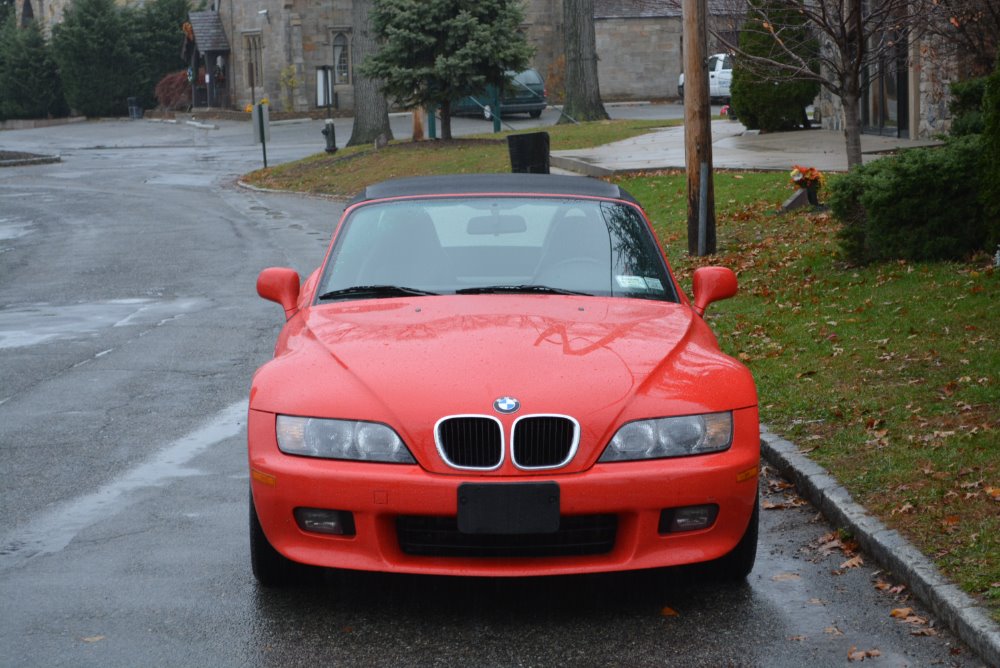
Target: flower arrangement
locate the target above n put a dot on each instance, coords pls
(807, 177)
(249, 108)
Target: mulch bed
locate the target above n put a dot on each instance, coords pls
(14, 155)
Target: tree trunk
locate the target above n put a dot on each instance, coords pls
(371, 109)
(446, 120)
(852, 123)
(583, 93)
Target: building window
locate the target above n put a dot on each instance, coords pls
(341, 59)
(253, 45)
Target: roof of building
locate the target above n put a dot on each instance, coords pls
(645, 9)
(208, 32)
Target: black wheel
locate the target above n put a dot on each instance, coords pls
(535, 114)
(739, 562)
(680, 92)
(269, 567)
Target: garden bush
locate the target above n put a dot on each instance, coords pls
(173, 92)
(989, 175)
(966, 106)
(920, 205)
(763, 96)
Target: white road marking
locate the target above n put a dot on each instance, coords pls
(57, 527)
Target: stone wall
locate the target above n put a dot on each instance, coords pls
(638, 58)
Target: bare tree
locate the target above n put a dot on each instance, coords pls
(849, 38)
(583, 93)
(969, 30)
(371, 109)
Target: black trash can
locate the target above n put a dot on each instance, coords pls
(529, 153)
(134, 109)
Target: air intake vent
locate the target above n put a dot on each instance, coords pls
(439, 537)
(545, 441)
(470, 442)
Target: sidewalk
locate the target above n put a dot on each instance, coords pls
(732, 148)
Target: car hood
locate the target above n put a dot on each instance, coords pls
(410, 362)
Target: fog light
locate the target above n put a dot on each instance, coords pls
(335, 522)
(689, 518)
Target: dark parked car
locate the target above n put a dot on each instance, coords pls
(524, 94)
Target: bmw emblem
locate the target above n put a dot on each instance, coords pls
(506, 405)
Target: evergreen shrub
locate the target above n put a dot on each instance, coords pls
(763, 97)
(990, 169)
(966, 106)
(920, 205)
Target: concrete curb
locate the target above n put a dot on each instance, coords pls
(578, 166)
(40, 160)
(954, 607)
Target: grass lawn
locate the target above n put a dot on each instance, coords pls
(349, 170)
(886, 375)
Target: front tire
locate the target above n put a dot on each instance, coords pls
(536, 113)
(737, 564)
(269, 567)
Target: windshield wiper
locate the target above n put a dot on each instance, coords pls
(376, 291)
(541, 289)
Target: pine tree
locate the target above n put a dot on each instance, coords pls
(437, 51)
(29, 80)
(154, 40)
(91, 47)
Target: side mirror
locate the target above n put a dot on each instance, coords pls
(711, 284)
(281, 285)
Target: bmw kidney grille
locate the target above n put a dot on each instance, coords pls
(476, 442)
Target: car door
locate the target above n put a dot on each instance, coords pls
(714, 63)
(724, 77)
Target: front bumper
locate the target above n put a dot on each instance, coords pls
(377, 494)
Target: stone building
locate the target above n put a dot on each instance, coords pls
(244, 50)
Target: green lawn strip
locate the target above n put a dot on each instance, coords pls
(887, 375)
(348, 171)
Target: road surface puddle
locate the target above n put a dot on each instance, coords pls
(33, 324)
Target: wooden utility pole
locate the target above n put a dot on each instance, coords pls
(698, 130)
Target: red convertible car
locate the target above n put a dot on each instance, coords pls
(498, 375)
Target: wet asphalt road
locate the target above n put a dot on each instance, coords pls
(129, 328)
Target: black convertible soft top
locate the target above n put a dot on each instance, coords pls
(512, 184)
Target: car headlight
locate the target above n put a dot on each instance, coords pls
(341, 439)
(670, 437)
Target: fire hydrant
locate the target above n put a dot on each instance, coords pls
(331, 136)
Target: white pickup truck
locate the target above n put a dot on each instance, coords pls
(720, 77)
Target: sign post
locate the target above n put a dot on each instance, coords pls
(325, 98)
(261, 128)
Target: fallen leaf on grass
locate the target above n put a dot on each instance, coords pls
(903, 509)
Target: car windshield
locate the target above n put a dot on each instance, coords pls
(502, 245)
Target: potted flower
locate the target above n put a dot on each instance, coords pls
(809, 179)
